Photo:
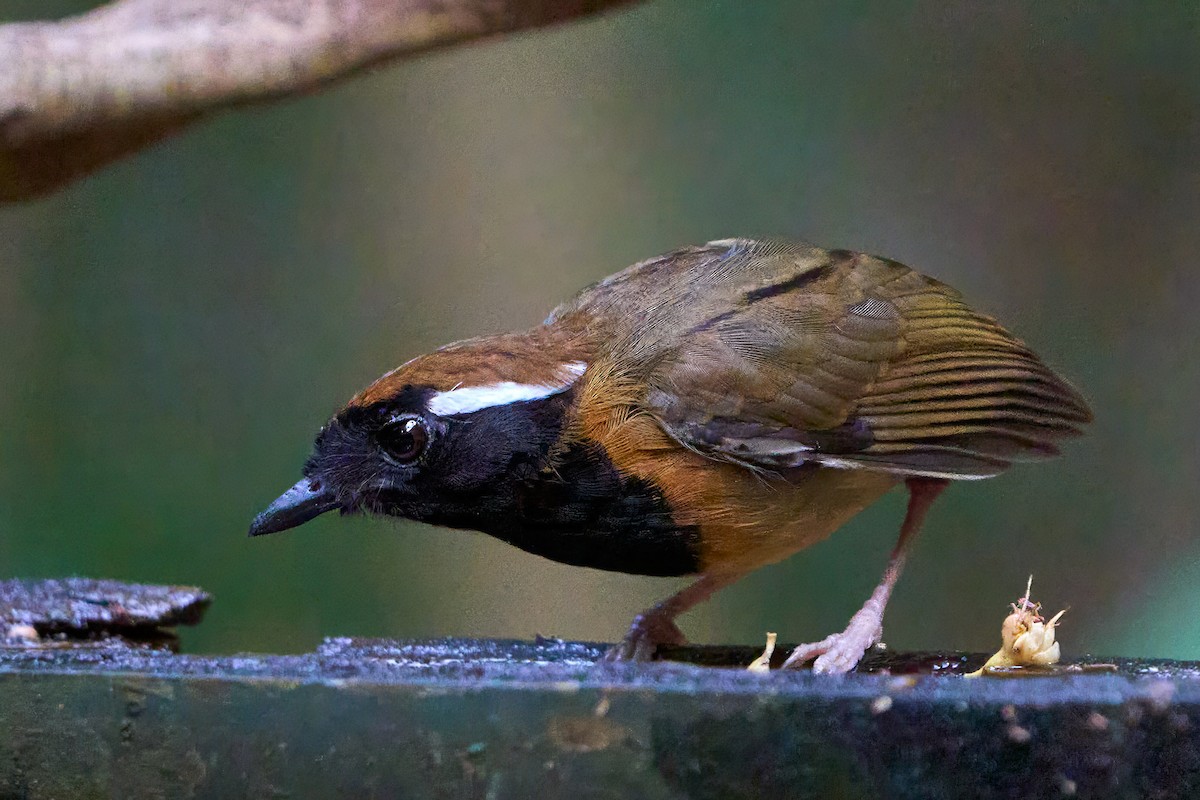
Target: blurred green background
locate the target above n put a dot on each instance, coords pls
(177, 327)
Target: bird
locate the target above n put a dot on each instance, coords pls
(705, 412)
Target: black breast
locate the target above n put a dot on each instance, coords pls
(503, 470)
(585, 513)
(575, 507)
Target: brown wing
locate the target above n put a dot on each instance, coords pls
(856, 361)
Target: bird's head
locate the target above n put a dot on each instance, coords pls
(437, 436)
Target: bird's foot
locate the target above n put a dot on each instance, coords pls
(648, 631)
(838, 653)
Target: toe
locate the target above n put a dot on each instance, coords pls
(843, 656)
(836, 662)
(621, 651)
(805, 653)
(644, 638)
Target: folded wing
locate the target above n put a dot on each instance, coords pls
(855, 361)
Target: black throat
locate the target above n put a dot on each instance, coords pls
(506, 474)
(583, 512)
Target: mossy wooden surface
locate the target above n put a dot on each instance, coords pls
(487, 719)
(93, 703)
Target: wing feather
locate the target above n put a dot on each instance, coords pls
(854, 361)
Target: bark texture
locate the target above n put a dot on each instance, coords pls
(78, 93)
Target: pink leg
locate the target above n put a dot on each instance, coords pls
(839, 652)
(657, 626)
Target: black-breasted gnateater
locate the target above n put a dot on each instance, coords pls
(705, 412)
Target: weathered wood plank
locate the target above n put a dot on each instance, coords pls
(450, 718)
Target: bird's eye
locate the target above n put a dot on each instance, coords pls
(404, 440)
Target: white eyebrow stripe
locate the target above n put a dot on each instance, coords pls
(475, 398)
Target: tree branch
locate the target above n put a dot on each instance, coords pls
(79, 93)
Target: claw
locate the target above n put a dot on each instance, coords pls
(647, 632)
(657, 625)
(835, 654)
(841, 652)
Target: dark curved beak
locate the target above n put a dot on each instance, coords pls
(294, 507)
